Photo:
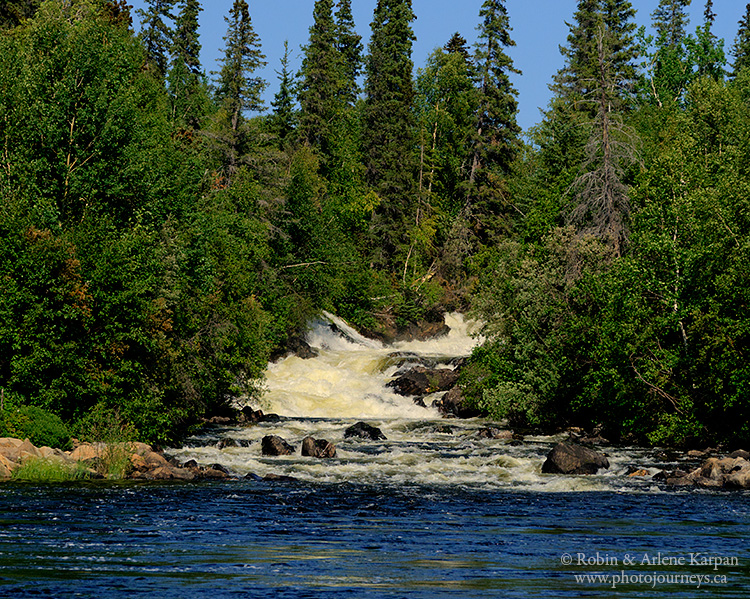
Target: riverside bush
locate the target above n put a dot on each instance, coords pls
(42, 428)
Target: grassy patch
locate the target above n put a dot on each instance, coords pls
(45, 470)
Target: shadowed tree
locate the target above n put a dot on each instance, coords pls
(349, 45)
(389, 126)
(156, 33)
(321, 80)
(283, 120)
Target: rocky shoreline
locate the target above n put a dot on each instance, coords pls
(138, 461)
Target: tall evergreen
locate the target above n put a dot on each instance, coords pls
(575, 81)
(349, 45)
(184, 80)
(741, 46)
(320, 79)
(238, 89)
(156, 32)
(670, 21)
(187, 44)
(671, 71)
(283, 117)
(601, 203)
(496, 141)
(389, 127)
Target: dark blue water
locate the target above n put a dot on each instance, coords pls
(250, 539)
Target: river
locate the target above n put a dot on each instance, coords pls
(434, 510)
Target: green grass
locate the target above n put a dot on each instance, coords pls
(45, 470)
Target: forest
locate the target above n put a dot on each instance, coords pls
(163, 233)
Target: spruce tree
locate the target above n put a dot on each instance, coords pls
(320, 79)
(186, 40)
(184, 80)
(389, 125)
(601, 204)
(238, 89)
(349, 45)
(156, 33)
(670, 21)
(283, 118)
(496, 141)
(575, 81)
(741, 46)
(672, 71)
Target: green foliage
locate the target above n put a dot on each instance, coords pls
(42, 428)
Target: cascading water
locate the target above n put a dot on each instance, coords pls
(345, 383)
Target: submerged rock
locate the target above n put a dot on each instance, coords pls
(274, 445)
(318, 448)
(364, 431)
(570, 458)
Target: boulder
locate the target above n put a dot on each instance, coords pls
(364, 431)
(715, 473)
(318, 448)
(739, 479)
(87, 451)
(6, 467)
(570, 458)
(740, 453)
(274, 445)
(492, 432)
(421, 381)
(453, 404)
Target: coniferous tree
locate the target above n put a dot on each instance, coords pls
(574, 82)
(741, 46)
(187, 44)
(601, 200)
(238, 89)
(670, 21)
(184, 80)
(496, 141)
(156, 33)
(320, 79)
(389, 125)
(671, 69)
(349, 45)
(283, 119)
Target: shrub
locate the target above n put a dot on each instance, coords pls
(42, 428)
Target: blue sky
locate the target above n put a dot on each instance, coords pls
(538, 28)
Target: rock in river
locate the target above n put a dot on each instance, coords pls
(570, 458)
(365, 431)
(275, 445)
(318, 448)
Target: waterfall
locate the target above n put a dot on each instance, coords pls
(348, 378)
(345, 383)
